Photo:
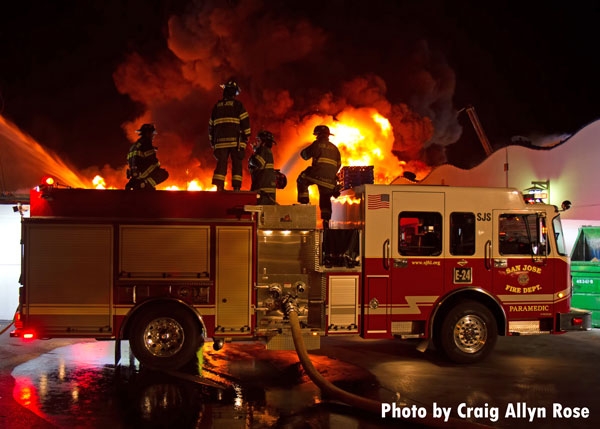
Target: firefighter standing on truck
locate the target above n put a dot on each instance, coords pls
(260, 166)
(228, 133)
(323, 172)
(144, 170)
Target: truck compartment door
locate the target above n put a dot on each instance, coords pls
(69, 279)
(233, 279)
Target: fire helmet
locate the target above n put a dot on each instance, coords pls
(266, 137)
(146, 129)
(322, 130)
(231, 85)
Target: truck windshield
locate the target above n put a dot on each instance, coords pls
(559, 237)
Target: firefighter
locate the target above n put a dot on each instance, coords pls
(260, 166)
(228, 132)
(323, 172)
(144, 170)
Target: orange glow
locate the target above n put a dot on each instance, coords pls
(99, 182)
(347, 199)
(364, 137)
(195, 185)
(383, 123)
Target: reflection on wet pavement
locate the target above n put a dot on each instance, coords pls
(79, 386)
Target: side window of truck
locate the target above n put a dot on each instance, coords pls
(419, 233)
(462, 234)
(519, 235)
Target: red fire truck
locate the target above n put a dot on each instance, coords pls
(167, 269)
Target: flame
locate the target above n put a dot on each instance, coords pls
(99, 182)
(192, 186)
(363, 135)
(347, 199)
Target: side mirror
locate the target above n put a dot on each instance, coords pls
(566, 205)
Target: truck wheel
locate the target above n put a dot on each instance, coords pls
(165, 337)
(468, 332)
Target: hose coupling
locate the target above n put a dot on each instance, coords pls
(289, 304)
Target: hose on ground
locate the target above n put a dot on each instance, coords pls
(349, 398)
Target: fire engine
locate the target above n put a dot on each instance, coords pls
(457, 266)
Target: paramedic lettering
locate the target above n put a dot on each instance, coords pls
(379, 201)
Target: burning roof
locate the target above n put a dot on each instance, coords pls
(294, 75)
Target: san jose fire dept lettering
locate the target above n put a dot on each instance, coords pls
(530, 289)
(526, 268)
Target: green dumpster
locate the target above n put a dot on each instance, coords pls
(585, 270)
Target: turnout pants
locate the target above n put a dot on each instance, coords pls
(222, 155)
(158, 175)
(325, 192)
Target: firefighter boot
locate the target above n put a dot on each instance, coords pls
(220, 187)
(236, 189)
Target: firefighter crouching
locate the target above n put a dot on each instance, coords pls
(260, 166)
(144, 170)
(228, 132)
(323, 172)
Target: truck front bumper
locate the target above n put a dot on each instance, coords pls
(575, 320)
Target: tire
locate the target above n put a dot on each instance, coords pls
(468, 333)
(165, 337)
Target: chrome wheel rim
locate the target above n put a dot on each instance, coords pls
(470, 333)
(163, 337)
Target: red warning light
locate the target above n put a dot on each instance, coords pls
(48, 181)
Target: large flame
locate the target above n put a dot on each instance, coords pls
(363, 135)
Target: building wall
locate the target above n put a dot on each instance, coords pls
(571, 167)
(10, 260)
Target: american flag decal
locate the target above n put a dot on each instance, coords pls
(378, 201)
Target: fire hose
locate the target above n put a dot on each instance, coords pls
(348, 398)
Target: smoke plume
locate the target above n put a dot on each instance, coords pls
(293, 74)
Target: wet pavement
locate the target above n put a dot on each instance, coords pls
(79, 386)
(74, 383)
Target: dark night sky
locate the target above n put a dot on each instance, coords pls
(528, 67)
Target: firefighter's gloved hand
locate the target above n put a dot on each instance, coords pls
(337, 191)
(128, 173)
(304, 155)
(280, 180)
